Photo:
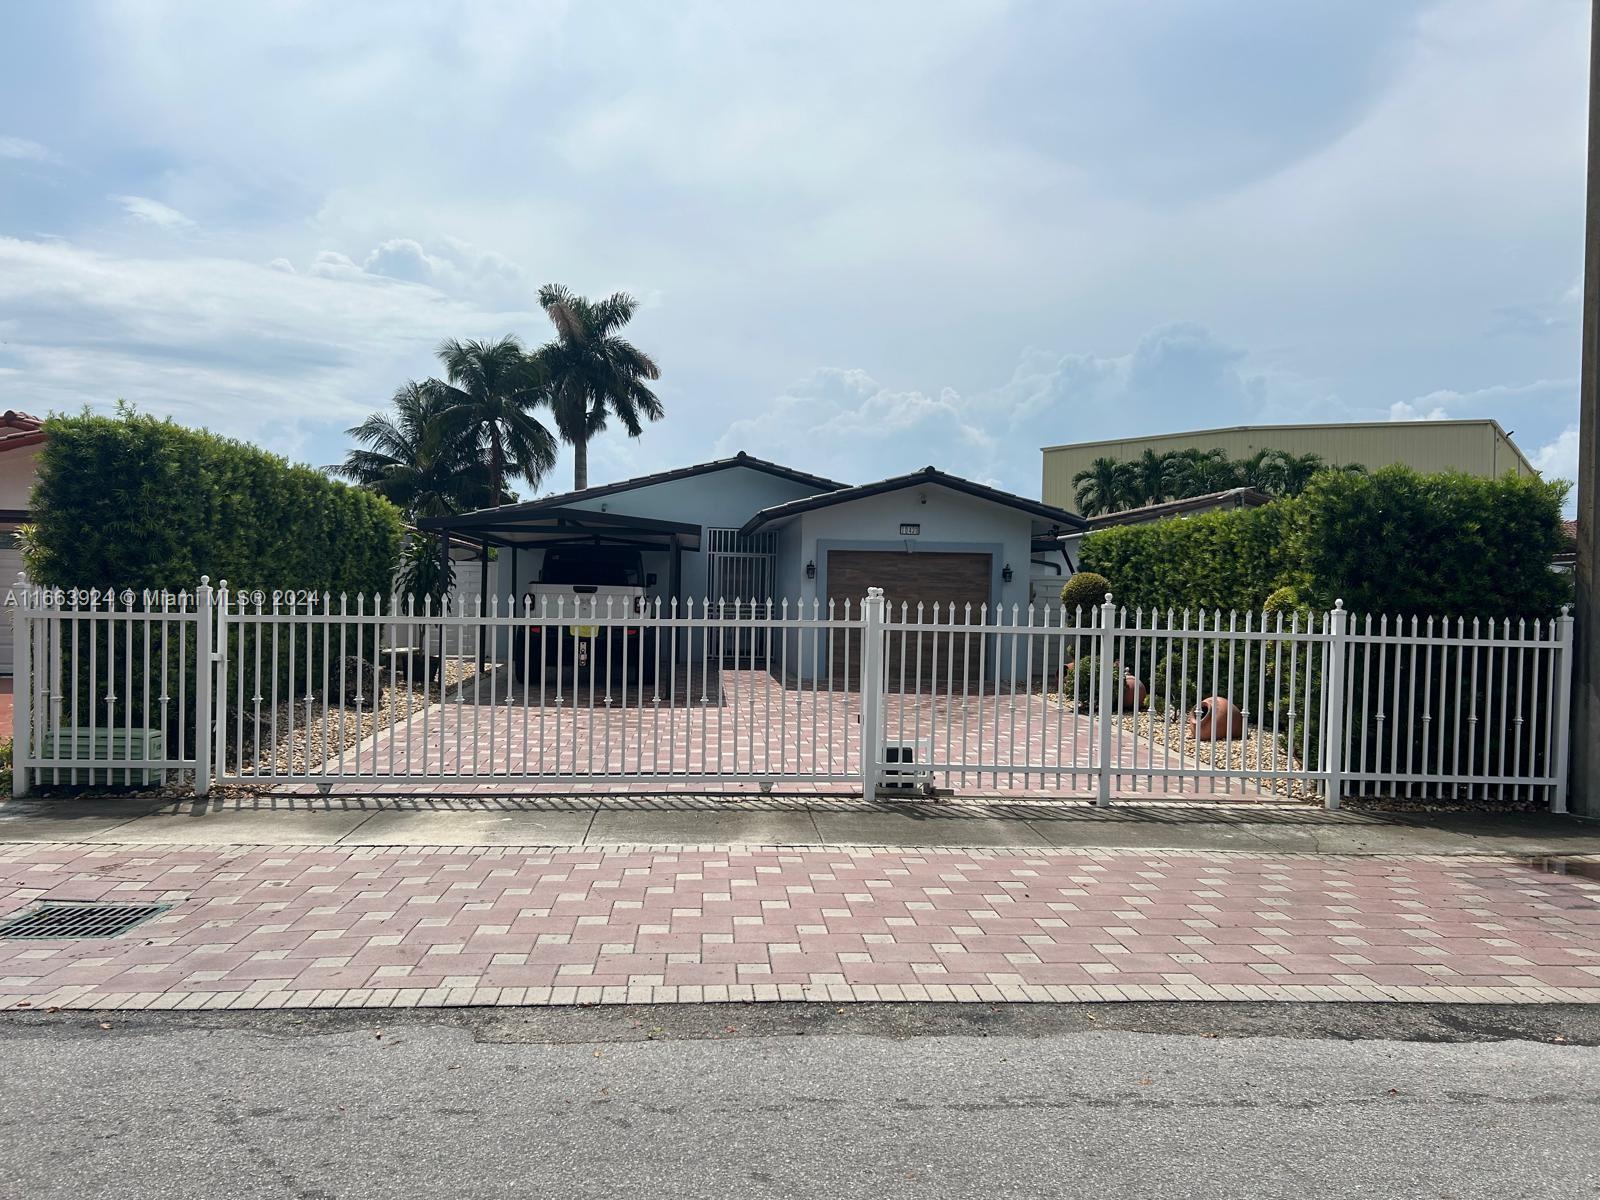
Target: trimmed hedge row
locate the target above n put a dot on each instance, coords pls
(1232, 559)
(1394, 541)
(135, 502)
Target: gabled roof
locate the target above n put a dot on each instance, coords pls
(18, 429)
(1239, 497)
(740, 459)
(928, 475)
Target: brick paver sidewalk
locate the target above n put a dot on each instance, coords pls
(371, 926)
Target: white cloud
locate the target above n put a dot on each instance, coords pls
(153, 212)
(22, 149)
(1361, 200)
(1544, 404)
(1418, 410)
(244, 348)
(845, 423)
(1558, 459)
(455, 267)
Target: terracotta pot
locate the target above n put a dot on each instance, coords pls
(1134, 693)
(1214, 719)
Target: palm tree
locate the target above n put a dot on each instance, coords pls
(1296, 470)
(1153, 477)
(491, 389)
(1102, 487)
(593, 373)
(1263, 471)
(405, 457)
(1201, 472)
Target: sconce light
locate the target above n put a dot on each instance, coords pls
(1005, 574)
(811, 569)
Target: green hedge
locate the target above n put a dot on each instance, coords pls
(1232, 559)
(1394, 541)
(1448, 544)
(135, 502)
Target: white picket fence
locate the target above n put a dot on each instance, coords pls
(293, 687)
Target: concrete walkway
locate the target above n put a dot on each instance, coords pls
(813, 821)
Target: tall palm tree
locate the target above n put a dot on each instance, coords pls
(1102, 487)
(491, 389)
(593, 372)
(405, 458)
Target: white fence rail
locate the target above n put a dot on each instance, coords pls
(262, 688)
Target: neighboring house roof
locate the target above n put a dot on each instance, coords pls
(740, 459)
(928, 475)
(18, 429)
(1567, 556)
(1241, 497)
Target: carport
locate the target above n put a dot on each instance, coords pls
(539, 525)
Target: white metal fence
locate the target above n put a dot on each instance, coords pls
(266, 688)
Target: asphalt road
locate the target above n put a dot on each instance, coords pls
(736, 1102)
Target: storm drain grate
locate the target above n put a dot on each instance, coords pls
(59, 919)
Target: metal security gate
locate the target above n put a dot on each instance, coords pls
(742, 569)
(111, 687)
(294, 687)
(594, 690)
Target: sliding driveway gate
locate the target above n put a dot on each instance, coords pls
(270, 688)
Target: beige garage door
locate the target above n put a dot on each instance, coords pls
(931, 578)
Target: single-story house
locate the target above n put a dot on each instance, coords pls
(743, 528)
(21, 439)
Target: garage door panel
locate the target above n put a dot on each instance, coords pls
(950, 580)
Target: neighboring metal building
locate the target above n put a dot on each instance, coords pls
(1478, 447)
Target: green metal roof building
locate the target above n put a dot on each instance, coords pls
(1478, 447)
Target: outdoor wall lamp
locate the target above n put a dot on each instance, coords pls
(1005, 573)
(811, 569)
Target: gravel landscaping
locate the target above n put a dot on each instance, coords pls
(1254, 751)
(303, 745)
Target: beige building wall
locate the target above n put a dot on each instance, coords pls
(18, 469)
(1477, 447)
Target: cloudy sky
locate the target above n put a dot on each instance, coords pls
(866, 237)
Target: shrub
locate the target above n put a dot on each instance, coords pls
(1394, 541)
(1084, 590)
(1285, 600)
(1449, 544)
(135, 502)
(1084, 675)
(1233, 559)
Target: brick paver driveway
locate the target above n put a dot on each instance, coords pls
(259, 927)
(748, 722)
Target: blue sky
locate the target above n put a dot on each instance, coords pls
(866, 237)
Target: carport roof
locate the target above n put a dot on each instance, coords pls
(1059, 517)
(539, 524)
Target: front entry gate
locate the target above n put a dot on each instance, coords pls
(266, 689)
